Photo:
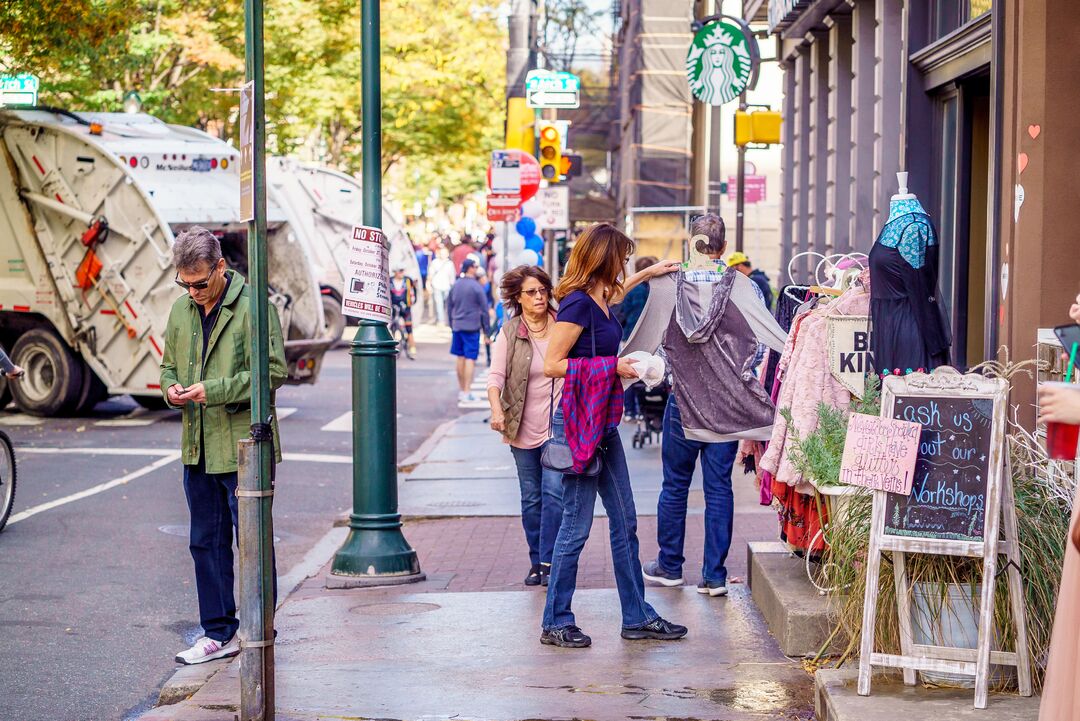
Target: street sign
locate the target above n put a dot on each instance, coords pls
(505, 172)
(502, 207)
(755, 188)
(367, 287)
(247, 152)
(19, 89)
(721, 62)
(530, 173)
(555, 208)
(547, 89)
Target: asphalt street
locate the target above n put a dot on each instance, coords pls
(98, 591)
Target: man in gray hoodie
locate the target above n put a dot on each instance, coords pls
(467, 307)
(711, 324)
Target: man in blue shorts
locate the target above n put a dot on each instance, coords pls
(467, 307)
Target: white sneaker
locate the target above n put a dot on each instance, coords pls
(207, 649)
(471, 400)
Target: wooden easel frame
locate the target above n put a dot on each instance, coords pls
(913, 657)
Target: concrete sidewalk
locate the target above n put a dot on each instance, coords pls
(465, 643)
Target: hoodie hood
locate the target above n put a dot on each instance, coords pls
(699, 306)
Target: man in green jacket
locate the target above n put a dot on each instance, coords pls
(206, 371)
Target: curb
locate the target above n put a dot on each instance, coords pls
(186, 680)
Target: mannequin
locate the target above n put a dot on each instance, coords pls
(910, 331)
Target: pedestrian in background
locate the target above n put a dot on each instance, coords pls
(467, 307)
(402, 299)
(522, 400)
(583, 349)
(462, 251)
(441, 280)
(9, 369)
(740, 262)
(423, 262)
(206, 371)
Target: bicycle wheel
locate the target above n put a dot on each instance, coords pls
(7, 478)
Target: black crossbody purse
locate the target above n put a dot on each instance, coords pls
(556, 455)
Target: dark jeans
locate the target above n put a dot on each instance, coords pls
(541, 503)
(632, 399)
(211, 499)
(579, 500)
(679, 457)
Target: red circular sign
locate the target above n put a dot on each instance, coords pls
(530, 174)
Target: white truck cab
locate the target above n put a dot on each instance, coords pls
(89, 204)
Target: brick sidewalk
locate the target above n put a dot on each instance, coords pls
(489, 553)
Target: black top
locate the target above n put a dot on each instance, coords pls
(580, 309)
(910, 330)
(208, 319)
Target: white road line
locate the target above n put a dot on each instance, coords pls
(126, 422)
(316, 457)
(283, 413)
(313, 560)
(93, 491)
(342, 423)
(17, 419)
(45, 450)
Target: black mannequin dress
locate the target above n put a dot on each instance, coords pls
(909, 326)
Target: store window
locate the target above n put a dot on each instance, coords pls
(948, 15)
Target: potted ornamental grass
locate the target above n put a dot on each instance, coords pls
(945, 589)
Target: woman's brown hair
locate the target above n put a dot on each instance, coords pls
(510, 287)
(599, 256)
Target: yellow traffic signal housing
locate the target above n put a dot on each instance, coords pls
(550, 152)
(519, 126)
(766, 126)
(744, 131)
(760, 126)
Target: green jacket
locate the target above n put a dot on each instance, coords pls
(226, 375)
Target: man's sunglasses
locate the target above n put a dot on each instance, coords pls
(198, 285)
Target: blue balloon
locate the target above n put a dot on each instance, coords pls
(526, 227)
(535, 242)
(540, 261)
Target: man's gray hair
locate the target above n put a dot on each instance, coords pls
(194, 246)
(712, 227)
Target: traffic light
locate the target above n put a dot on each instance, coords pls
(760, 126)
(571, 166)
(519, 126)
(550, 152)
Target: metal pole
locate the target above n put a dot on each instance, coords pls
(375, 552)
(254, 476)
(740, 196)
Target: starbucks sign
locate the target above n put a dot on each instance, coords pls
(721, 62)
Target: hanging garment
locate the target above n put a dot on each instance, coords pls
(806, 381)
(592, 401)
(909, 326)
(800, 519)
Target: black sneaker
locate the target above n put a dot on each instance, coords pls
(652, 572)
(567, 637)
(545, 571)
(533, 579)
(712, 588)
(656, 630)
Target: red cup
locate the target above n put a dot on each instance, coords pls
(1061, 440)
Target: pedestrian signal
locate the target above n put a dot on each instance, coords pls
(760, 126)
(550, 152)
(572, 165)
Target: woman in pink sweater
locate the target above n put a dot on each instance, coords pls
(522, 399)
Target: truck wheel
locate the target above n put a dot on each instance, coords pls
(54, 376)
(92, 392)
(335, 319)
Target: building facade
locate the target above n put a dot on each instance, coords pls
(961, 95)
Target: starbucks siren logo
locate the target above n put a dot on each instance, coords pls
(719, 64)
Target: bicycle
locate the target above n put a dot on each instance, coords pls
(7, 478)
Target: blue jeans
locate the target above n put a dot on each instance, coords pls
(541, 503)
(679, 456)
(211, 498)
(579, 499)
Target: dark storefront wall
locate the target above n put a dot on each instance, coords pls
(1041, 250)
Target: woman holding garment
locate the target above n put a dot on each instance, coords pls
(583, 350)
(521, 397)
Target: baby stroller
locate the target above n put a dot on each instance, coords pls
(650, 417)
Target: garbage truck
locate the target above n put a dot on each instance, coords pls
(89, 204)
(324, 205)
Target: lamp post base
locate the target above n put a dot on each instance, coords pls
(374, 557)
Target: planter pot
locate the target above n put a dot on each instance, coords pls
(951, 619)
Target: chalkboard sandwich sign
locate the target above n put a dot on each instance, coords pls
(960, 502)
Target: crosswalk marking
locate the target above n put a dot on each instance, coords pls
(342, 423)
(283, 413)
(18, 419)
